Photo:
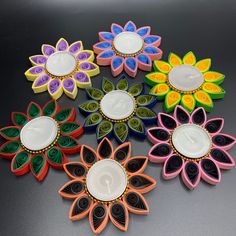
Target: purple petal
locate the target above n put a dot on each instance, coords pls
(69, 84)
(47, 50)
(81, 77)
(39, 59)
(75, 47)
(82, 56)
(86, 66)
(54, 85)
(37, 70)
(41, 80)
(62, 45)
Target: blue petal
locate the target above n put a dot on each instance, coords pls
(106, 54)
(107, 35)
(131, 63)
(116, 28)
(130, 26)
(103, 45)
(151, 50)
(151, 39)
(144, 59)
(116, 62)
(143, 31)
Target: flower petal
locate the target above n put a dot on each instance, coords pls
(72, 129)
(56, 157)
(136, 89)
(224, 141)
(47, 49)
(119, 215)
(50, 108)
(10, 132)
(153, 40)
(105, 149)
(65, 115)
(189, 59)
(88, 107)
(85, 55)
(130, 26)
(191, 174)
(107, 85)
(158, 135)
(55, 88)
(122, 152)
(121, 132)
(146, 100)
(172, 167)
(174, 59)
(104, 129)
(162, 66)
(144, 31)
(122, 83)
(90, 68)
(20, 163)
(34, 110)
(144, 62)
(136, 203)
(147, 115)
(160, 91)
(9, 149)
(160, 152)
(40, 84)
(199, 116)
(210, 171)
(203, 65)
(88, 155)
(172, 99)
(117, 65)
(116, 29)
(101, 46)
(76, 47)
(213, 77)
(167, 121)
(94, 93)
(154, 53)
(188, 102)
(154, 78)
(137, 127)
(214, 125)
(75, 170)
(39, 166)
(62, 45)
(98, 217)
(92, 121)
(38, 60)
(181, 115)
(105, 36)
(70, 88)
(72, 189)
(68, 144)
(33, 72)
(131, 66)
(82, 79)
(214, 90)
(142, 183)
(19, 118)
(136, 165)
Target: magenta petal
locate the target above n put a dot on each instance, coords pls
(48, 50)
(181, 115)
(116, 29)
(36, 70)
(54, 86)
(158, 135)
(75, 47)
(81, 77)
(62, 45)
(131, 66)
(166, 121)
(199, 116)
(69, 84)
(41, 80)
(224, 141)
(214, 125)
(160, 152)
(130, 26)
(39, 59)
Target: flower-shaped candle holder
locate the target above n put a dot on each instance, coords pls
(107, 184)
(127, 49)
(185, 81)
(191, 146)
(62, 69)
(118, 109)
(40, 138)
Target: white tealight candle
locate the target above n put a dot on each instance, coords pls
(185, 78)
(61, 63)
(39, 133)
(191, 141)
(117, 105)
(128, 43)
(106, 180)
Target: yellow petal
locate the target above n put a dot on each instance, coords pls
(174, 60)
(189, 59)
(155, 78)
(162, 66)
(160, 90)
(214, 77)
(188, 102)
(203, 99)
(203, 65)
(215, 91)
(172, 99)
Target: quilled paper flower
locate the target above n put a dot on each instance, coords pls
(62, 69)
(40, 138)
(107, 184)
(118, 110)
(185, 81)
(127, 48)
(191, 146)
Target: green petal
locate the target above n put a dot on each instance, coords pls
(33, 110)
(107, 85)
(145, 113)
(103, 129)
(89, 106)
(63, 115)
(67, 142)
(10, 132)
(145, 100)
(37, 163)
(55, 156)
(136, 125)
(21, 160)
(121, 131)
(136, 90)
(94, 93)
(10, 147)
(122, 85)
(50, 108)
(69, 127)
(93, 119)
(19, 119)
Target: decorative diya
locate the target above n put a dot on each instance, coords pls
(127, 48)
(62, 69)
(185, 81)
(191, 146)
(107, 184)
(118, 110)
(40, 138)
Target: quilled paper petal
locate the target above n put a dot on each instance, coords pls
(214, 90)
(98, 217)
(121, 132)
(88, 155)
(119, 215)
(101, 46)
(33, 72)
(188, 102)
(9, 149)
(153, 53)
(72, 129)
(104, 58)
(116, 29)
(144, 31)
(95, 93)
(89, 67)
(158, 134)
(50, 108)
(136, 89)
(68, 144)
(82, 79)
(146, 100)
(224, 141)
(181, 115)
(162, 66)
(172, 167)
(56, 157)
(105, 149)
(122, 83)
(130, 26)
(34, 110)
(38, 60)
(166, 121)
(174, 59)
(223, 159)
(76, 47)
(88, 107)
(105, 36)
(20, 163)
(214, 125)
(142, 183)
(19, 118)
(160, 91)
(55, 88)
(47, 49)
(213, 77)
(10, 132)
(72, 189)
(41, 83)
(160, 152)
(154, 78)
(117, 65)
(70, 88)
(131, 66)
(172, 99)
(92, 121)
(75, 170)
(136, 165)
(203, 65)
(136, 203)
(203, 99)
(191, 174)
(39, 166)
(144, 62)
(210, 171)
(189, 59)
(80, 207)
(107, 85)
(146, 115)
(137, 127)
(62, 45)
(85, 55)
(122, 152)
(65, 115)
(199, 116)
(152, 40)
(104, 129)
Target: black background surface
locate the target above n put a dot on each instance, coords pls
(29, 208)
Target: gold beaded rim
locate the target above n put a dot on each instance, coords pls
(188, 158)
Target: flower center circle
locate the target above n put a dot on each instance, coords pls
(39, 133)
(106, 180)
(61, 63)
(128, 43)
(191, 141)
(117, 105)
(185, 78)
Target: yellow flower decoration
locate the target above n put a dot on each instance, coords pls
(185, 81)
